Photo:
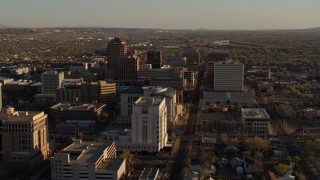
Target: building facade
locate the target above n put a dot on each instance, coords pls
(256, 121)
(129, 67)
(155, 58)
(116, 48)
(228, 76)
(213, 57)
(100, 92)
(23, 138)
(50, 81)
(149, 124)
(87, 160)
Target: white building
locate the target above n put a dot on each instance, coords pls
(149, 127)
(50, 81)
(87, 160)
(256, 121)
(128, 97)
(149, 124)
(228, 84)
(228, 76)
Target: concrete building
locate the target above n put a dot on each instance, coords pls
(228, 75)
(149, 124)
(256, 121)
(23, 138)
(70, 93)
(213, 57)
(192, 56)
(155, 58)
(116, 48)
(66, 111)
(149, 127)
(190, 77)
(87, 160)
(228, 83)
(100, 92)
(176, 61)
(129, 67)
(144, 71)
(169, 77)
(50, 81)
(128, 97)
(171, 100)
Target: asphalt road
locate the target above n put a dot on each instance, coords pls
(189, 133)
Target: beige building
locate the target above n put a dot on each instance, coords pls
(87, 160)
(256, 121)
(100, 92)
(23, 138)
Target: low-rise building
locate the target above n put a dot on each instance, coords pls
(256, 121)
(88, 160)
(76, 116)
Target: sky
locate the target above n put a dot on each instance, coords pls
(164, 14)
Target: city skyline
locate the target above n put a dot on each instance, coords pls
(179, 14)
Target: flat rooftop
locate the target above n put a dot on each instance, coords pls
(76, 107)
(229, 61)
(111, 164)
(254, 113)
(86, 152)
(148, 101)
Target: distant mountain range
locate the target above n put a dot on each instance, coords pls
(315, 29)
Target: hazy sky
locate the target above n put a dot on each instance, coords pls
(177, 14)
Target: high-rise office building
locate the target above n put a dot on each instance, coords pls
(129, 67)
(228, 84)
(50, 81)
(155, 58)
(228, 75)
(100, 92)
(149, 124)
(23, 138)
(192, 56)
(116, 48)
(213, 57)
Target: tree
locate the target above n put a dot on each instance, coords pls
(296, 159)
(294, 91)
(281, 169)
(126, 154)
(257, 144)
(204, 174)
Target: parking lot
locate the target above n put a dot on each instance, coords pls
(220, 122)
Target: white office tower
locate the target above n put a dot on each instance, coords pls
(50, 81)
(228, 75)
(149, 124)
